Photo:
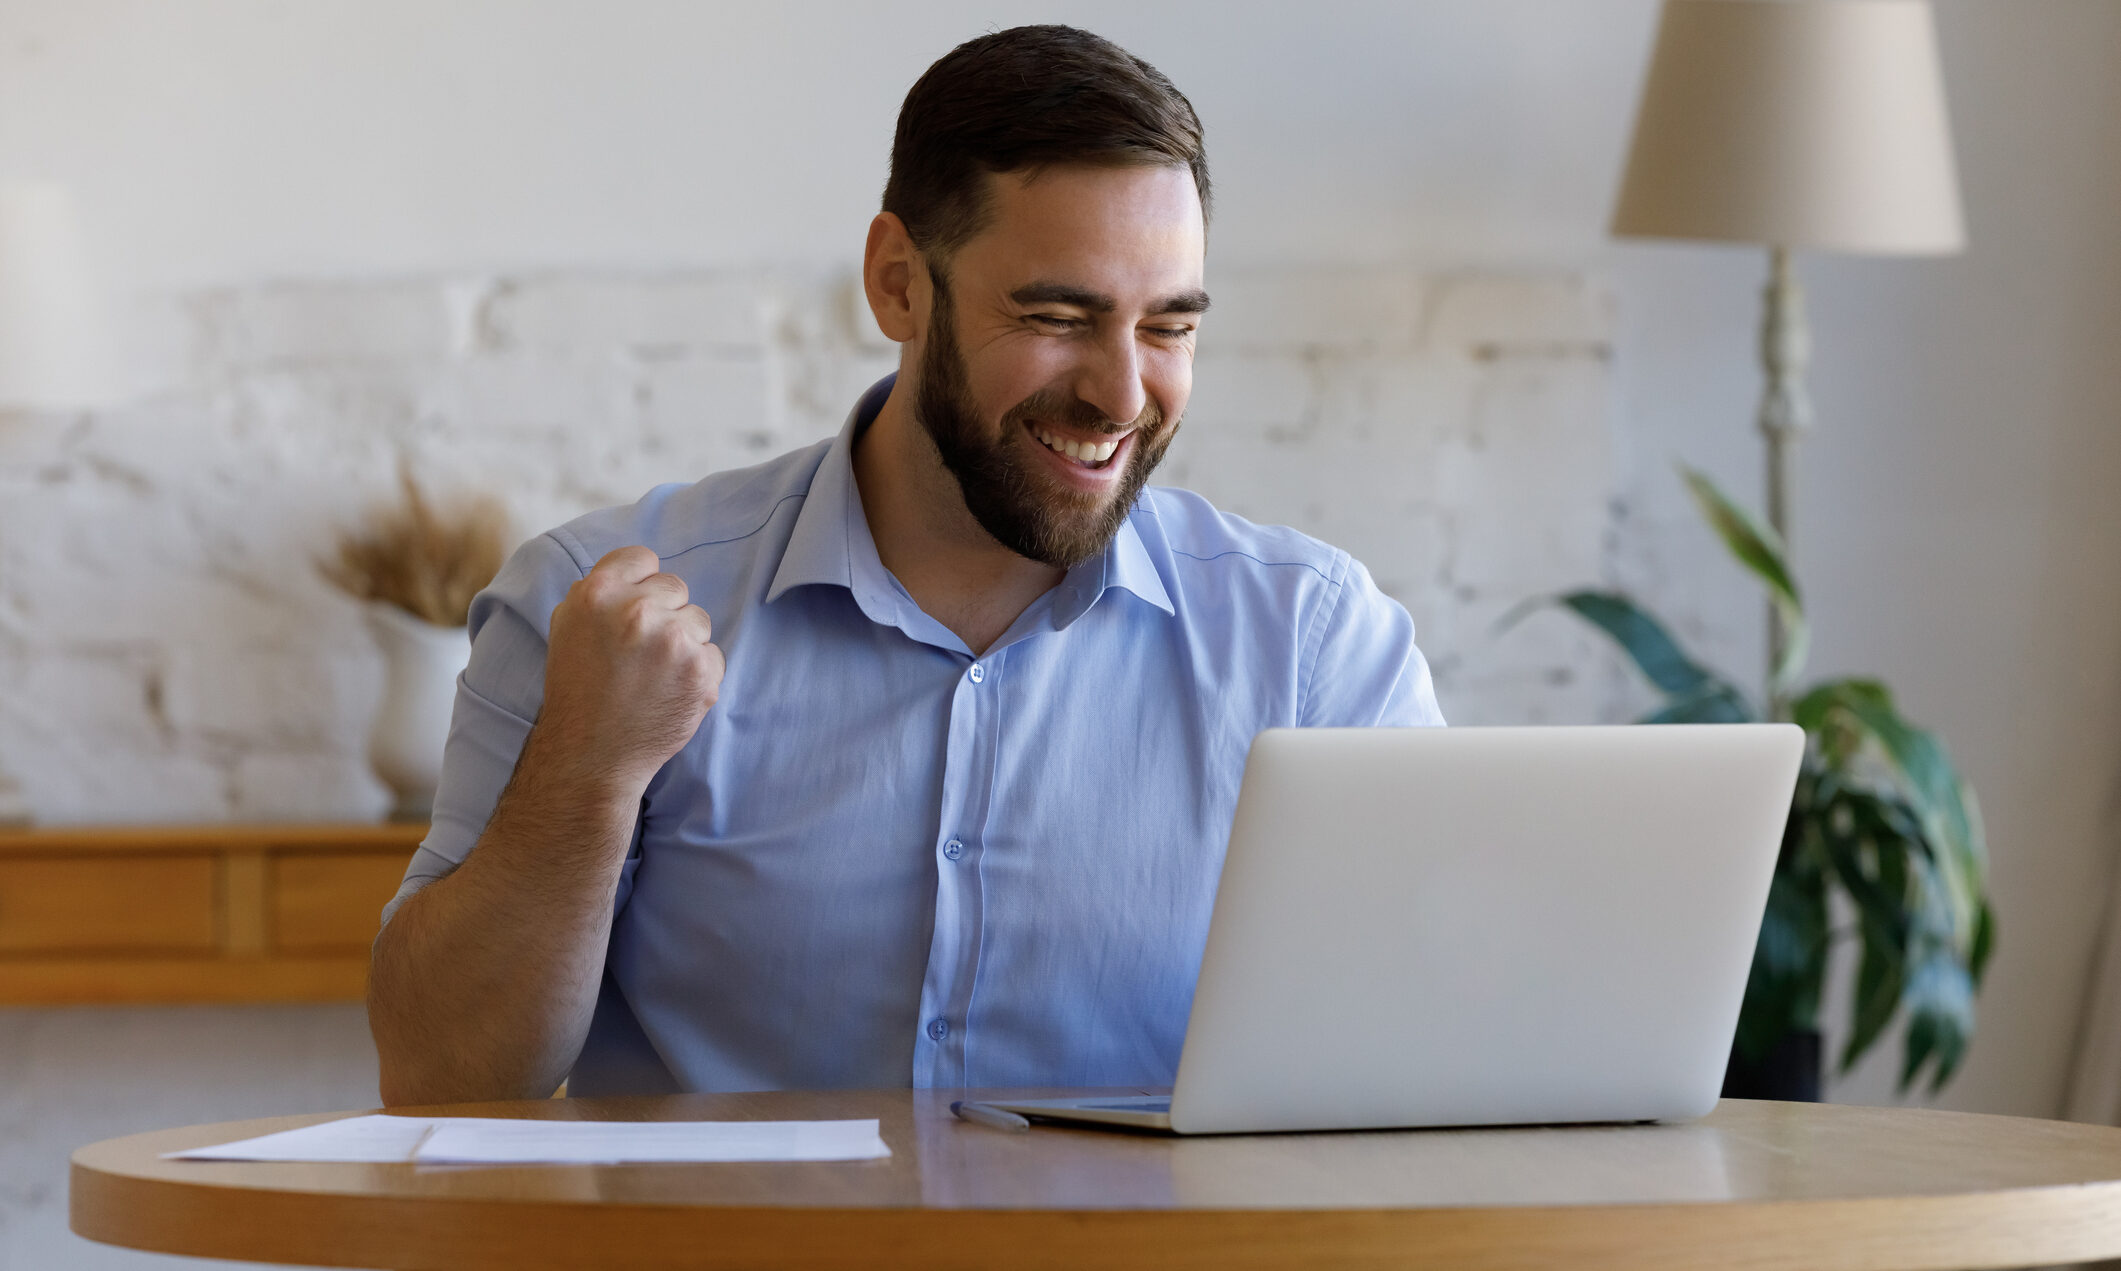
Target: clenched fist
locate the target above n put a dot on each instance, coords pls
(629, 672)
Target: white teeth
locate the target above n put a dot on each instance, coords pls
(1080, 451)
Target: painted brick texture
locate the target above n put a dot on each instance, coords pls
(168, 652)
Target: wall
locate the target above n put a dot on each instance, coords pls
(168, 649)
(1956, 526)
(69, 1077)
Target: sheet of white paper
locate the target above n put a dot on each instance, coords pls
(495, 1142)
(371, 1138)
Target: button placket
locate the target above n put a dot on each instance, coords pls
(953, 951)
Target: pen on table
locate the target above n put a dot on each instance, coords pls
(992, 1118)
(426, 1134)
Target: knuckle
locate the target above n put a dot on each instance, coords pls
(670, 638)
(637, 617)
(595, 590)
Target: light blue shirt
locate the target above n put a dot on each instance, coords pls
(883, 861)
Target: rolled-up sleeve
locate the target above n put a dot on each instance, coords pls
(1362, 667)
(498, 697)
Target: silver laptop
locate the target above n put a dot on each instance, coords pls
(1476, 926)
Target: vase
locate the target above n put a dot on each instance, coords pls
(1789, 1071)
(421, 662)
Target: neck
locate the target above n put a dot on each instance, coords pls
(954, 570)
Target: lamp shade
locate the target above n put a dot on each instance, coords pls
(51, 350)
(1795, 123)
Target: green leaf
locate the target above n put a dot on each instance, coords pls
(1759, 548)
(1642, 638)
(1925, 935)
(1915, 752)
(1938, 798)
(1720, 704)
(1695, 694)
(1940, 1002)
(1881, 977)
(1789, 965)
(1869, 840)
(1984, 943)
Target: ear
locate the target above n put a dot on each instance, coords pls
(894, 279)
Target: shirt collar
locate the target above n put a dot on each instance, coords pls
(1124, 564)
(830, 543)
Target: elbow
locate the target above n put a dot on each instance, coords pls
(395, 1089)
(399, 1080)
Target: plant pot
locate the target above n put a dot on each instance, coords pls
(421, 662)
(1789, 1071)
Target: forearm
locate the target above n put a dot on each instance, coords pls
(483, 983)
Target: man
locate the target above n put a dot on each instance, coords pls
(944, 800)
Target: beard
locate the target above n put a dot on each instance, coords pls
(1005, 485)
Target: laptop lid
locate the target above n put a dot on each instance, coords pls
(1476, 926)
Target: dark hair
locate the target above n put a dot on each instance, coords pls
(1025, 98)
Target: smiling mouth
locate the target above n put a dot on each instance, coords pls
(1093, 455)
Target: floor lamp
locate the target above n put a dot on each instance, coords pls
(1816, 124)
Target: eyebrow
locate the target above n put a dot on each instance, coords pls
(1192, 300)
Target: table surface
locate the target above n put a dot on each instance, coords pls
(1753, 1185)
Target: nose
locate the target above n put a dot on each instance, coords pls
(1111, 379)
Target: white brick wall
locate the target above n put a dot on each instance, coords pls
(168, 652)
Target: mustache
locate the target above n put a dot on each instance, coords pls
(1066, 408)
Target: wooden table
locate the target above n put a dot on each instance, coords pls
(1754, 1185)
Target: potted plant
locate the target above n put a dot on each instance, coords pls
(1880, 817)
(415, 571)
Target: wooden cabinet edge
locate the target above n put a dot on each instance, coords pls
(210, 837)
(247, 966)
(180, 981)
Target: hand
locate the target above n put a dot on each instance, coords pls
(629, 672)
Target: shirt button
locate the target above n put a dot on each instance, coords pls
(979, 673)
(938, 1028)
(954, 848)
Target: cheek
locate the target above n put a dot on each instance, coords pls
(1168, 378)
(1009, 371)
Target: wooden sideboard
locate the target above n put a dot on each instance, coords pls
(194, 913)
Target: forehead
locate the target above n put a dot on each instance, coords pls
(1125, 231)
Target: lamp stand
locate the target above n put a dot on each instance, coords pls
(1785, 413)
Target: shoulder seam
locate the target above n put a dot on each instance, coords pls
(738, 538)
(579, 552)
(1301, 564)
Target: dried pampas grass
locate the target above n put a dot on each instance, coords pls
(428, 563)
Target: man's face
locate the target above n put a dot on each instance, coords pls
(1059, 352)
